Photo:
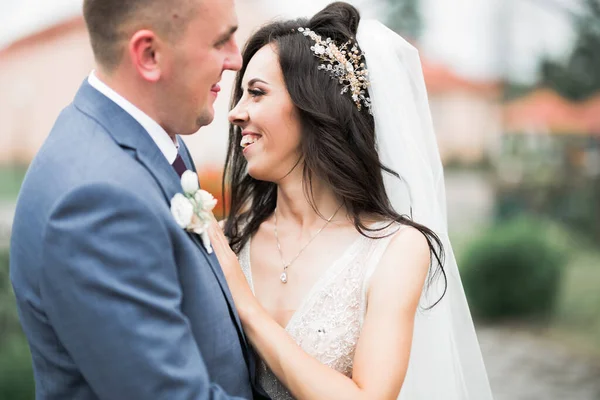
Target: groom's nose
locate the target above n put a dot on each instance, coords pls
(234, 61)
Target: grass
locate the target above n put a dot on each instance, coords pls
(11, 178)
(577, 316)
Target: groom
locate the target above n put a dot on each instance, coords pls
(117, 301)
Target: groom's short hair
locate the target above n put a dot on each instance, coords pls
(110, 23)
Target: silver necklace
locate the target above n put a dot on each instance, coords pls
(284, 277)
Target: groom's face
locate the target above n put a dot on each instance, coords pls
(196, 64)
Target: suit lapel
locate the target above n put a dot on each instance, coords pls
(189, 163)
(212, 259)
(128, 133)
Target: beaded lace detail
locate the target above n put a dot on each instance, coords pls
(328, 322)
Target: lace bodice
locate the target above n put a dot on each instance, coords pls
(328, 322)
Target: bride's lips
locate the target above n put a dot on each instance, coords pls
(248, 139)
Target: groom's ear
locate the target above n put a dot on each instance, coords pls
(143, 51)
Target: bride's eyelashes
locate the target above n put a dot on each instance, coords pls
(256, 92)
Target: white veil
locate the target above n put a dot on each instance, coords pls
(445, 361)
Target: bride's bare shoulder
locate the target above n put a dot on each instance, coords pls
(408, 252)
(403, 267)
(408, 237)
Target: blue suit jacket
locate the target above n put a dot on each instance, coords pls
(116, 300)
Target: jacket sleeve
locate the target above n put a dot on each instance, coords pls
(112, 293)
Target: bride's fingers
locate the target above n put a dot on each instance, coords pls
(215, 232)
(219, 244)
(217, 238)
(213, 218)
(225, 255)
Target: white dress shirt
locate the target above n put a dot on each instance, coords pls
(162, 139)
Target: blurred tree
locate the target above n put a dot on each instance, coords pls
(579, 76)
(404, 16)
(16, 374)
(9, 322)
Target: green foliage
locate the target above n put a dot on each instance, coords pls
(16, 374)
(579, 77)
(514, 270)
(10, 181)
(551, 175)
(513, 90)
(404, 17)
(9, 321)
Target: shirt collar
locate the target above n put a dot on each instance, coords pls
(167, 146)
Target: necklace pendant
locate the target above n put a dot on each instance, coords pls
(283, 277)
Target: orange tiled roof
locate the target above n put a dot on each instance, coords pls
(546, 110)
(45, 34)
(440, 79)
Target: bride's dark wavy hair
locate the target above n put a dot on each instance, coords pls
(337, 141)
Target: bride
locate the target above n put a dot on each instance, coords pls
(341, 268)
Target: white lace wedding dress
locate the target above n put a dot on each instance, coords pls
(329, 320)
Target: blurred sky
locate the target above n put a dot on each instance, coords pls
(481, 39)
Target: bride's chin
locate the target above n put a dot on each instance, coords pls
(255, 172)
(261, 174)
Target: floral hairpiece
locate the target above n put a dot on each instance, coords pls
(343, 64)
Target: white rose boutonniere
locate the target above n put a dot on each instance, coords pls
(192, 209)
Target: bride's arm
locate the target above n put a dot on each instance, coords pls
(382, 353)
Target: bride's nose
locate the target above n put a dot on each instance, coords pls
(238, 115)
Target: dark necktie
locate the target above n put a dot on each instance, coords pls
(179, 165)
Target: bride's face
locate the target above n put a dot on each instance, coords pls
(268, 119)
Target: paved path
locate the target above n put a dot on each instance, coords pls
(525, 366)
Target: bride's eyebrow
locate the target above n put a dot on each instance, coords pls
(256, 80)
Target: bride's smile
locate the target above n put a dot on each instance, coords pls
(269, 127)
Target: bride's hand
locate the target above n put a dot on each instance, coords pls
(238, 285)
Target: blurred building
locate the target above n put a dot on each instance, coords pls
(40, 73)
(467, 114)
(545, 111)
(553, 138)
